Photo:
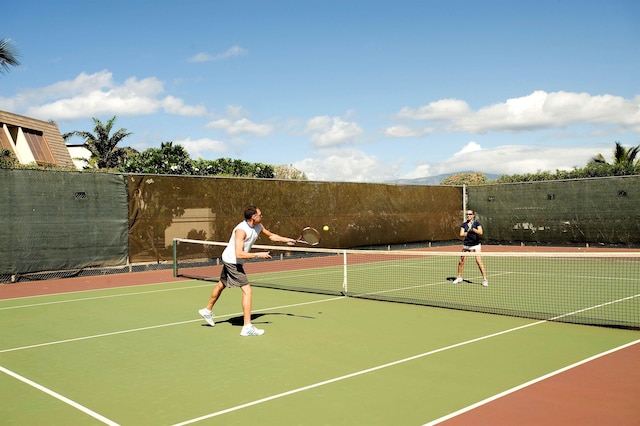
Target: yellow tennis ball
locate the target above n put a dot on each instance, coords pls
(325, 228)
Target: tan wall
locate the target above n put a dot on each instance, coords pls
(166, 207)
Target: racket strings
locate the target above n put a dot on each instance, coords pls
(311, 236)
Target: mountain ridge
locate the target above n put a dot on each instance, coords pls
(435, 180)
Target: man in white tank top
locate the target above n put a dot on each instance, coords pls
(243, 236)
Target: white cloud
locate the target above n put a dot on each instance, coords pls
(82, 83)
(470, 147)
(201, 57)
(332, 131)
(90, 95)
(236, 111)
(347, 165)
(232, 52)
(203, 148)
(445, 109)
(94, 104)
(406, 131)
(177, 106)
(422, 170)
(537, 111)
(241, 126)
(515, 159)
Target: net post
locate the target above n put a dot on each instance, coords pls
(464, 201)
(345, 287)
(174, 255)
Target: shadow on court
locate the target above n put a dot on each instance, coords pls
(239, 320)
(463, 280)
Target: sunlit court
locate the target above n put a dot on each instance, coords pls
(338, 347)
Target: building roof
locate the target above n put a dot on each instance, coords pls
(33, 140)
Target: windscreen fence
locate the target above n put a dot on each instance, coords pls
(597, 211)
(61, 221)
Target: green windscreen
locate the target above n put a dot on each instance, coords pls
(602, 211)
(61, 220)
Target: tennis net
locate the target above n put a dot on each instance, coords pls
(583, 287)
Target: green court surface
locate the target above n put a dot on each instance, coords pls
(142, 356)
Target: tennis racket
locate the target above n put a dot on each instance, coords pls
(309, 236)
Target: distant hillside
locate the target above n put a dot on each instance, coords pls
(434, 180)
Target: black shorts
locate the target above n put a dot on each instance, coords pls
(233, 275)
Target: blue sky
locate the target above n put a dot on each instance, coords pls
(359, 91)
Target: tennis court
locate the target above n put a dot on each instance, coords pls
(130, 349)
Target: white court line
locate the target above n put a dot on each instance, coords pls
(527, 384)
(101, 297)
(94, 336)
(133, 330)
(115, 287)
(380, 367)
(59, 397)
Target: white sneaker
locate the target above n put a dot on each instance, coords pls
(485, 283)
(207, 315)
(250, 330)
(457, 280)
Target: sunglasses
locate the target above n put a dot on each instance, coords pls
(469, 214)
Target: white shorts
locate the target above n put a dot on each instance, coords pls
(472, 248)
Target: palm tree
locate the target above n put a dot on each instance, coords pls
(104, 152)
(625, 161)
(621, 156)
(625, 157)
(8, 54)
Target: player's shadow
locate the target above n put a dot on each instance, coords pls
(452, 279)
(239, 320)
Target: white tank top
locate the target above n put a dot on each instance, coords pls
(229, 253)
